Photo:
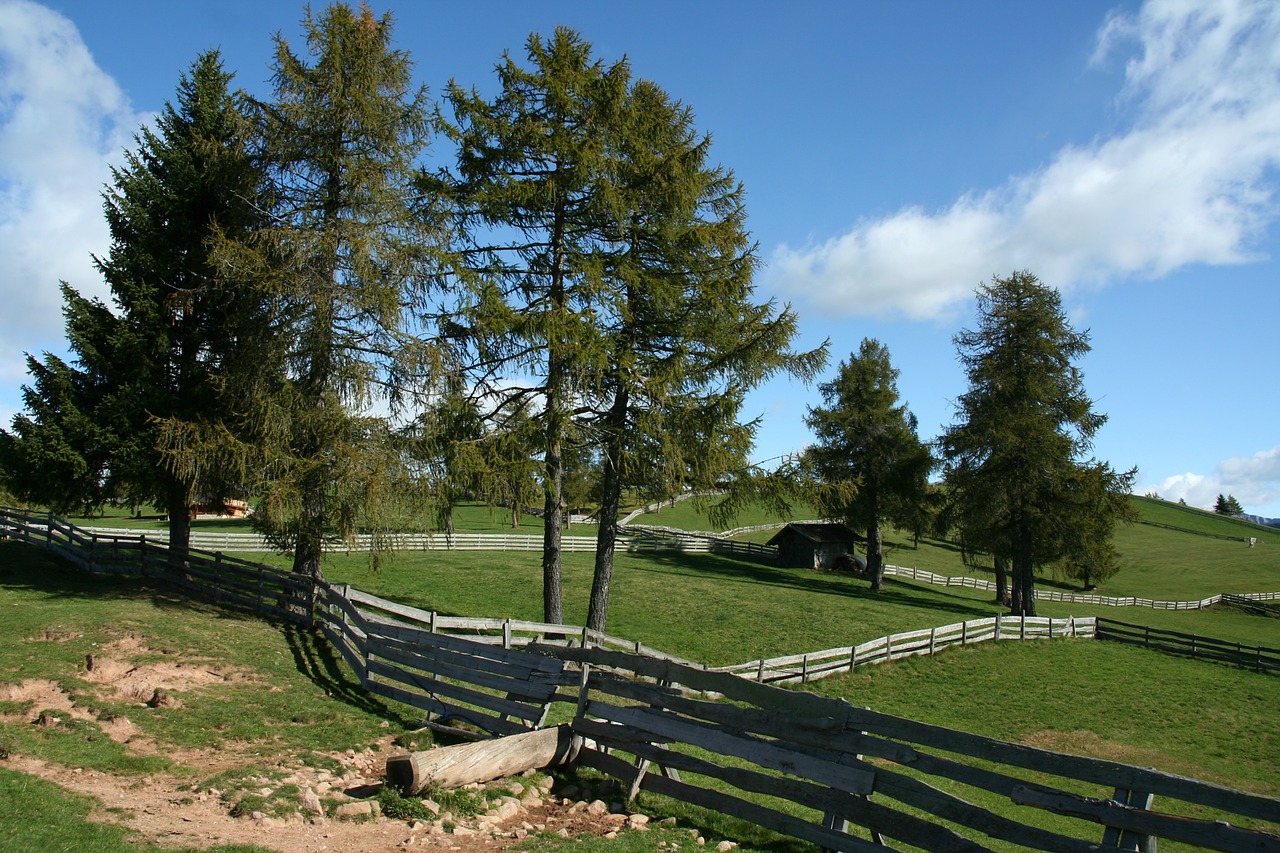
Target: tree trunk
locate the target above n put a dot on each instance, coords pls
(1023, 567)
(178, 506)
(482, 761)
(553, 516)
(1002, 579)
(875, 548)
(607, 535)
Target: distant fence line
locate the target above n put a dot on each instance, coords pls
(764, 744)
(636, 539)
(1076, 597)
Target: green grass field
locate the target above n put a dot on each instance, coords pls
(1193, 718)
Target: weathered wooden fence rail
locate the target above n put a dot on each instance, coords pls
(814, 665)
(817, 769)
(1253, 657)
(851, 779)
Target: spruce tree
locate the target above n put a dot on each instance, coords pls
(527, 191)
(183, 332)
(868, 460)
(685, 337)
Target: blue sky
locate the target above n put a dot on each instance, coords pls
(895, 156)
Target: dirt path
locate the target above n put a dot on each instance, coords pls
(165, 810)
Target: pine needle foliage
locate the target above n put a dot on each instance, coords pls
(181, 335)
(347, 257)
(1015, 466)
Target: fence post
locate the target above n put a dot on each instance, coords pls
(853, 658)
(1126, 839)
(506, 634)
(997, 636)
(760, 671)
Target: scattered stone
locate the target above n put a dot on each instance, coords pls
(597, 807)
(311, 802)
(570, 792)
(463, 830)
(431, 806)
(363, 808)
(611, 834)
(725, 846)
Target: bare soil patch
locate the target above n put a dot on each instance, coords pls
(168, 810)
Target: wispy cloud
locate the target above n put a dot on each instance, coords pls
(1191, 180)
(62, 122)
(1253, 480)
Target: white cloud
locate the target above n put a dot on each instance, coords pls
(62, 122)
(1192, 180)
(1253, 480)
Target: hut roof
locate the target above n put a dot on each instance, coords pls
(817, 533)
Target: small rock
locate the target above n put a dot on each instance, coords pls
(516, 789)
(611, 834)
(311, 802)
(725, 846)
(570, 792)
(638, 820)
(562, 832)
(597, 807)
(431, 806)
(362, 808)
(463, 830)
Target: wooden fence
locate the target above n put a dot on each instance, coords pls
(1253, 657)
(814, 665)
(851, 779)
(1073, 597)
(814, 768)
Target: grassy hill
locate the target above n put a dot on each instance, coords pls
(292, 699)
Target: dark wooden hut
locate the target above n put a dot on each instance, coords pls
(813, 546)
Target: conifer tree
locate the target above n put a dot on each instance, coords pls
(685, 337)
(610, 281)
(1015, 457)
(346, 257)
(183, 333)
(528, 193)
(868, 460)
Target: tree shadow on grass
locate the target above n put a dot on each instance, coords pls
(320, 663)
(32, 569)
(806, 580)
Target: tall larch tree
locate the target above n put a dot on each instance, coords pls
(183, 334)
(348, 258)
(527, 190)
(868, 462)
(685, 336)
(1016, 454)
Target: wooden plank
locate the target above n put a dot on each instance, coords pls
(644, 722)
(1109, 774)
(785, 824)
(510, 657)
(535, 686)
(495, 704)
(900, 825)
(350, 653)
(1214, 835)
(449, 710)
(730, 686)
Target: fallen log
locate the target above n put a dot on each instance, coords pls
(481, 761)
